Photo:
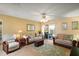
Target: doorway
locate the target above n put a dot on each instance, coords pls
(51, 30)
(45, 31)
(48, 30)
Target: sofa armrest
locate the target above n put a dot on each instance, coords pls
(5, 42)
(5, 46)
(27, 40)
(54, 40)
(74, 43)
(16, 40)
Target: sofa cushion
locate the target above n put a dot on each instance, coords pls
(68, 37)
(64, 42)
(8, 37)
(32, 39)
(13, 44)
(9, 41)
(39, 37)
(60, 36)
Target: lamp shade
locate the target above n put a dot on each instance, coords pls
(20, 31)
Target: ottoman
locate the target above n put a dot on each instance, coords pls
(38, 43)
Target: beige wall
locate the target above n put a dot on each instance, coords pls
(12, 25)
(59, 22)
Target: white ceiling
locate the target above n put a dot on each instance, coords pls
(33, 11)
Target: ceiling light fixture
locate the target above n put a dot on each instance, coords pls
(44, 18)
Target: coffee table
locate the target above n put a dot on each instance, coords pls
(38, 42)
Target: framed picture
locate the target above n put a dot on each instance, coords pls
(65, 26)
(30, 27)
(75, 25)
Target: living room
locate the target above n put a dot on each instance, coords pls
(52, 27)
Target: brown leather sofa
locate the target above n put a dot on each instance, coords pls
(62, 41)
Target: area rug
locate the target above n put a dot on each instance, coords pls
(50, 50)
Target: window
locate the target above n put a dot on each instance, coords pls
(75, 25)
(65, 26)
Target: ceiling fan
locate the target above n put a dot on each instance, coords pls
(44, 16)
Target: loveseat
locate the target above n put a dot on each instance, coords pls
(31, 39)
(64, 40)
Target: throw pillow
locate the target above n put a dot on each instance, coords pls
(68, 37)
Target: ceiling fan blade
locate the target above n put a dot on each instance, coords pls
(36, 13)
(51, 14)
